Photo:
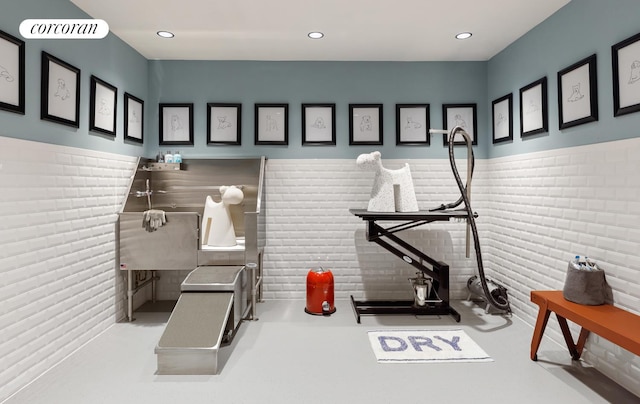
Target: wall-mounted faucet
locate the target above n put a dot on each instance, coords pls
(148, 192)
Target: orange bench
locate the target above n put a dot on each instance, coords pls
(612, 323)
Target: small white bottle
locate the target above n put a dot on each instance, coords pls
(177, 157)
(168, 157)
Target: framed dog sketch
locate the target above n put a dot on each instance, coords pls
(133, 118)
(365, 124)
(318, 124)
(102, 109)
(502, 113)
(412, 124)
(12, 78)
(224, 123)
(60, 91)
(626, 76)
(463, 115)
(578, 93)
(176, 124)
(533, 108)
(272, 124)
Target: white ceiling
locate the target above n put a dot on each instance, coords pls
(372, 30)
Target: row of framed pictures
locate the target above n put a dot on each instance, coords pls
(318, 123)
(577, 94)
(60, 93)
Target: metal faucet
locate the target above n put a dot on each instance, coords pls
(148, 192)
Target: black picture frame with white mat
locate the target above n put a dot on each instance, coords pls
(59, 91)
(534, 118)
(464, 116)
(625, 58)
(365, 124)
(12, 73)
(578, 93)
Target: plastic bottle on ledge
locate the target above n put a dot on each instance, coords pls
(168, 157)
(576, 262)
(177, 157)
(160, 157)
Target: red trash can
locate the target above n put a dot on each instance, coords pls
(320, 292)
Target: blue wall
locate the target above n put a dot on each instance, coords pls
(295, 83)
(110, 59)
(580, 29)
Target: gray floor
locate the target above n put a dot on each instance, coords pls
(288, 356)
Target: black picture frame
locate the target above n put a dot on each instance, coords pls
(534, 115)
(578, 93)
(133, 118)
(176, 124)
(224, 123)
(365, 124)
(103, 102)
(502, 118)
(625, 58)
(412, 124)
(319, 124)
(60, 91)
(272, 124)
(463, 115)
(12, 73)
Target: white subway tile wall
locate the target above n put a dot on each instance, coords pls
(544, 208)
(59, 286)
(309, 224)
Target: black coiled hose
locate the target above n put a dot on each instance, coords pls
(501, 301)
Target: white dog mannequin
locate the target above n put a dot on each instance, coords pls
(217, 226)
(392, 189)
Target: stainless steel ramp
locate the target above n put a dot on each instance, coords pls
(206, 315)
(194, 332)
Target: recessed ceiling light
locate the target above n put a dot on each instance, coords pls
(315, 35)
(463, 35)
(165, 34)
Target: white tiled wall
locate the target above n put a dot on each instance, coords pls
(59, 286)
(308, 220)
(544, 208)
(58, 283)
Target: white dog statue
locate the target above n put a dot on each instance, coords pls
(392, 189)
(217, 226)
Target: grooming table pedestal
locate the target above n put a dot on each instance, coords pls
(438, 302)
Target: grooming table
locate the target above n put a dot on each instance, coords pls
(438, 303)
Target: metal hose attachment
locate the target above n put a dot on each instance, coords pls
(500, 302)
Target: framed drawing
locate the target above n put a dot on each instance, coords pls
(133, 118)
(176, 124)
(533, 108)
(102, 109)
(272, 124)
(318, 124)
(12, 78)
(412, 124)
(578, 93)
(463, 115)
(365, 124)
(224, 123)
(626, 76)
(60, 91)
(502, 112)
